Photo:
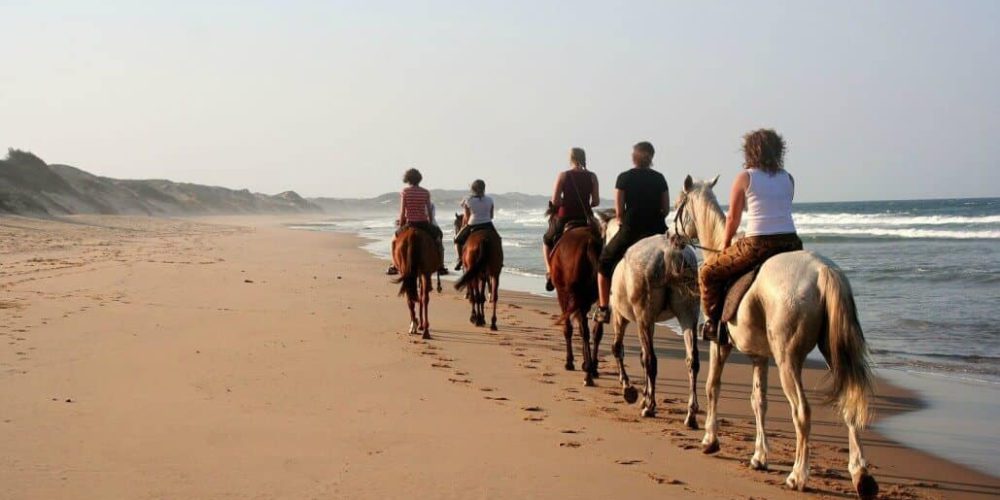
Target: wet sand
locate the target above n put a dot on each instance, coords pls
(233, 358)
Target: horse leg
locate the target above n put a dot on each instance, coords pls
(864, 482)
(411, 303)
(494, 298)
(717, 360)
(470, 294)
(791, 382)
(689, 323)
(598, 333)
(483, 283)
(425, 300)
(646, 329)
(588, 357)
(568, 333)
(758, 400)
(439, 282)
(618, 348)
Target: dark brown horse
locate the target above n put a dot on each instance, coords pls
(573, 262)
(482, 259)
(416, 255)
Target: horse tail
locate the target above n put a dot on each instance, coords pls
(478, 265)
(409, 268)
(583, 292)
(847, 354)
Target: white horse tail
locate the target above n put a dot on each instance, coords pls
(847, 353)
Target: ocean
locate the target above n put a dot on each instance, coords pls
(925, 273)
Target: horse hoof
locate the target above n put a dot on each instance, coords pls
(866, 486)
(594, 374)
(588, 382)
(631, 394)
(691, 422)
(426, 335)
(648, 412)
(757, 465)
(493, 327)
(793, 482)
(569, 366)
(710, 448)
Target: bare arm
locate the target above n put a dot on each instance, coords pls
(430, 209)
(595, 197)
(619, 204)
(467, 216)
(557, 191)
(737, 202)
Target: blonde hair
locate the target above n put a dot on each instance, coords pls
(578, 156)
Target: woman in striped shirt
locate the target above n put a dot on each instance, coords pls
(416, 210)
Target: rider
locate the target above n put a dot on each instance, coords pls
(478, 216)
(642, 202)
(416, 210)
(575, 194)
(766, 190)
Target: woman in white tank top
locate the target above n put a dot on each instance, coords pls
(765, 190)
(478, 216)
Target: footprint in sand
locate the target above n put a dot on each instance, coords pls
(459, 381)
(487, 389)
(628, 461)
(658, 479)
(440, 365)
(496, 398)
(570, 444)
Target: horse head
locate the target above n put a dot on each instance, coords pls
(606, 219)
(695, 197)
(459, 219)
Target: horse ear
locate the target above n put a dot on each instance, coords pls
(714, 181)
(688, 184)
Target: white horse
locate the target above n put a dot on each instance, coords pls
(799, 300)
(655, 281)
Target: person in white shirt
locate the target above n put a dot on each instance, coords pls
(478, 216)
(765, 189)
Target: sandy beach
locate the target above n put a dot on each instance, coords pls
(235, 358)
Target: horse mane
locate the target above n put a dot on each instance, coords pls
(709, 210)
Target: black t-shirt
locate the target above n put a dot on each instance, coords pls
(643, 189)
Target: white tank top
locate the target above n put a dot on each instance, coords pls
(480, 209)
(769, 203)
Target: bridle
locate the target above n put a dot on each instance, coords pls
(681, 235)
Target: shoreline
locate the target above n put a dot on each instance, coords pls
(232, 357)
(925, 427)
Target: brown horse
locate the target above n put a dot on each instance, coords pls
(573, 262)
(482, 259)
(416, 255)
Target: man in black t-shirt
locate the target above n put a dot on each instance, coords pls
(642, 202)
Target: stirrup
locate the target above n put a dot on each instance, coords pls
(709, 331)
(602, 315)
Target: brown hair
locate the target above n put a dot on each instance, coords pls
(412, 177)
(764, 149)
(645, 147)
(579, 157)
(478, 188)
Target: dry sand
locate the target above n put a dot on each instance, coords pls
(152, 358)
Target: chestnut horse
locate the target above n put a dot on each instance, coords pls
(482, 259)
(416, 255)
(573, 262)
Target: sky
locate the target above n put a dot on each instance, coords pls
(876, 100)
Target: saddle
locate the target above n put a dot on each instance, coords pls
(735, 292)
